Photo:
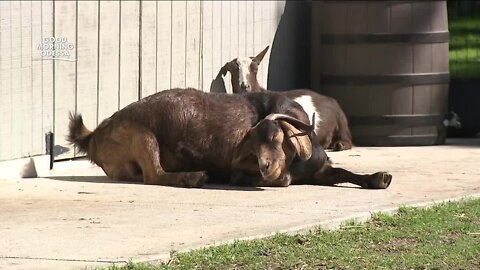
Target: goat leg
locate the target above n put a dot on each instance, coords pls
(148, 157)
(340, 142)
(330, 176)
(343, 137)
(341, 145)
(124, 172)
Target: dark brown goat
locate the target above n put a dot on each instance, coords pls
(182, 137)
(331, 127)
(174, 137)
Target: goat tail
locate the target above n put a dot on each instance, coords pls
(78, 134)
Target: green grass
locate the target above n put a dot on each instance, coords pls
(458, 23)
(446, 236)
(464, 46)
(465, 62)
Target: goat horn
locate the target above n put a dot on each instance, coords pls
(260, 56)
(292, 120)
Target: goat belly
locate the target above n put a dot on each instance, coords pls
(204, 156)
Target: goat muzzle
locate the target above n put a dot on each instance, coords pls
(270, 170)
(245, 87)
(264, 165)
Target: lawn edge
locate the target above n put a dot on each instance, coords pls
(330, 224)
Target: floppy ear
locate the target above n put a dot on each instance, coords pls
(244, 158)
(301, 143)
(258, 59)
(224, 69)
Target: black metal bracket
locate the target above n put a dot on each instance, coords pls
(49, 143)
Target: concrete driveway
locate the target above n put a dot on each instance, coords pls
(75, 217)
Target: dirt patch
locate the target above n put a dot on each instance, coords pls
(399, 244)
(450, 238)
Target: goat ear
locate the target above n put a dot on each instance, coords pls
(243, 153)
(258, 59)
(301, 143)
(224, 69)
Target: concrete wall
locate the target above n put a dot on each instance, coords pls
(111, 53)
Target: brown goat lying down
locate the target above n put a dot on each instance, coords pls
(184, 137)
(331, 127)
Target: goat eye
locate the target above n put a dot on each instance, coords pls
(275, 137)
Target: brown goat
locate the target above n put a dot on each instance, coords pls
(331, 127)
(175, 137)
(183, 137)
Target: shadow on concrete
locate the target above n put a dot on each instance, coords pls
(89, 179)
(228, 187)
(208, 186)
(246, 188)
(106, 180)
(58, 150)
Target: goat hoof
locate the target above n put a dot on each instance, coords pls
(338, 146)
(194, 179)
(379, 180)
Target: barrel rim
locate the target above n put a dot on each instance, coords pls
(404, 120)
(412, 38)
(398, 140)
(377, 79)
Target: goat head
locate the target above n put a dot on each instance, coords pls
(272, 144)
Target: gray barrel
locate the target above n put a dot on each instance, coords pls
(386, 63)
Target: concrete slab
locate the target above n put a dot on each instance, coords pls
(75, 217)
